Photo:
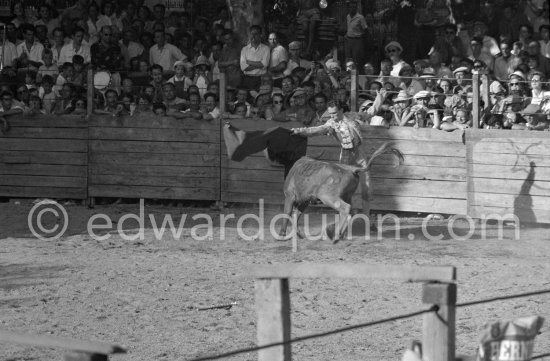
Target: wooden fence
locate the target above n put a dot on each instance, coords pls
(477, 172)
(44, 156)
(154, 157)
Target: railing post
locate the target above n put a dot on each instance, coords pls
(475, 90)
(353, 95)
(438, 328)
(223, 91)
(90, 92)
(273, 308)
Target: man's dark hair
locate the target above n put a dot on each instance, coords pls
(255, 27)
(78, 29)
(320, 95)
(160, 6)
(27, 27)
(47, 79)
(78, 59)
(66, 65)
(239, 105)
(110, 91)
(159, 106)
(156, 66)
(6, 93)
(309, 84)
(210, 94)
(544, 26)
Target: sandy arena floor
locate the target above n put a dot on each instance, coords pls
(144, 294)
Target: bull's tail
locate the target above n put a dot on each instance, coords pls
(385, 148)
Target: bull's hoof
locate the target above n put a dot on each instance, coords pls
(300, 234)
(330, 232)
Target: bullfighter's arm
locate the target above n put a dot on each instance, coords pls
(324, 129)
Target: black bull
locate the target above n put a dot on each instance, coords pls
(332, 183)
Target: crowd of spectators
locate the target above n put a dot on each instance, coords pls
(148, 61)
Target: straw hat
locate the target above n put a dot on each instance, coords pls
(401, 97)
(428, 73)
(461, 69)
(298, 92)
(518, 74)
(202, 60)
(423, 94)
(394, 44)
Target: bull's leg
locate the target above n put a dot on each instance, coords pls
(366, 197)
(343, 209)
(289, 206)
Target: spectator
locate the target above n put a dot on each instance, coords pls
(163, 53)
(78, 11)
(476, 45)
(308, 17)
(294, 58)
(29, 52)
(537, 92)
(277, 106)
(79, 74)
(95, 22)
(159, 13)
(525, 35)
(534, 119)
(8, 53)
(545, 40)
(170, 100)
(533, 48)
(48, 67)
(144, 105)
(461, 120)
(542, 19)
(254, 59)
(223, 18)
(66, 76)
(279, 59)
(130, 48)
(506, 62)
(393, 50)
(355, 34)
(202, 74)
(180, 80)
(229, 55)
(35, 106)
(46, 94)
(64, 104)
(156, 83)
(23, 95)
(106, 55)
(75, 47)
(194, 110)
(8, 107)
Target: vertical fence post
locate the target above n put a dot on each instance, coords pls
(273, 308)
(223, 106)
(353, 96)
(438, 328)
(90, 92)
(485, 94)
(223, 91)
(475, 110)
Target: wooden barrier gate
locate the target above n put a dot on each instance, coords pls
(273, 302)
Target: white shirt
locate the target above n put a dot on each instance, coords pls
(397, 68)
(165, 57)
(95, 28)
(545, 48)
(261, 53)
(68, 51)
(35, 52)
(356, 25)
(10, 53)
(278, 55)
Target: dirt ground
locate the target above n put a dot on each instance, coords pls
(145, 294)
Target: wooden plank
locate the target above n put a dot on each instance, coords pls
(498, 135)
(267, 176)
(124, 146)
(273, 311)
(511, 201)
(44, 157)
(358, 271)
(438, 327)
(141, 159)
(524, 215)
(408, 133)
(42, 181)
(407, 147)
(419, 172)
(428, 189)
(42, 192)
(513, 160)
(160, 135)
(152, 122)
(46, 133)
(43, 169)
(511, 186)
(253, 198)
(252, 186)
(154, 170)
(152, 192)
(507, 172)
(536, 147)
(155, 181)
(50, 145)
(101, 348)
(417, 204)
(49, 121)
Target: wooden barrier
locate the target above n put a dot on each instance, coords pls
(44, 156)
(273, 303)
(154, 157)
(432, 179)
(509, 174)
(78, 350)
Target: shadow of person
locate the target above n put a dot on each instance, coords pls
(523, 203)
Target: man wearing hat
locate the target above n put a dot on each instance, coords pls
(294, 58)
(393, 51)
(461, 73)
(254, 59)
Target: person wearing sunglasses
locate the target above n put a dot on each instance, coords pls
(393, 52)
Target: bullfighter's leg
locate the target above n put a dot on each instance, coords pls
(343, 209)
